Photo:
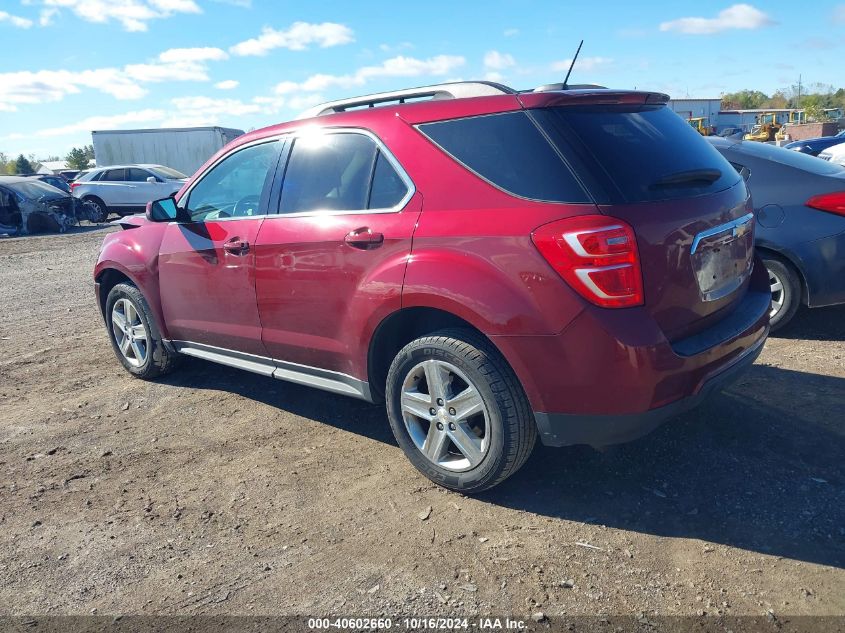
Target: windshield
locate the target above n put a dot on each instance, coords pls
(170, 174)
(35, 189)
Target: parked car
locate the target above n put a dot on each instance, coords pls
(69, 174)
(813, 146)
(799, 202)
(443, 257)
(834, 154)
(731, 132)
(126, 189)
(28, 205)
(56, 181)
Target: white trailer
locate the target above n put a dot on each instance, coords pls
(183, 149)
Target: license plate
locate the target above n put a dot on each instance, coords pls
(721, 257)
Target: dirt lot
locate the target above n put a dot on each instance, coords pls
(217, 491)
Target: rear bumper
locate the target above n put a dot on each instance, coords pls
(561, 429)
(612, 375)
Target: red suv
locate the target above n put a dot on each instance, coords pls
(495, 265)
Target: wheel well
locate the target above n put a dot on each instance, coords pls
(96, 199)
(108, 279)
(399, 329)
(788, 261)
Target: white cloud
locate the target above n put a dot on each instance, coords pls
(588, 64)
(14, 20)
(178, 64)
(494, 60)
(299, 36)
(839, 14)
(394, 67)
(227, 84)
(738, 16)
(46, 16)
(494, 76)
(205, 54)
(105, 122)
(511, 32)
(133, 15)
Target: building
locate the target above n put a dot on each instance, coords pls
(693, 108)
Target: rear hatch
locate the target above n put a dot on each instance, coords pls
(688, 206)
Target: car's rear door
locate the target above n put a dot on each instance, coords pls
(113, 188)
(206, 266)
(334, 257)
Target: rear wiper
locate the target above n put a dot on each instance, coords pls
(692, 176)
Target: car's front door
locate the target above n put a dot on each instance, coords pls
(206, 266)
(336, 251)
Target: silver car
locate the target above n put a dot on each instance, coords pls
(126, 189)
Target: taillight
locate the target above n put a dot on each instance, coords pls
(74, 185)
(830, 202)
(597, 256)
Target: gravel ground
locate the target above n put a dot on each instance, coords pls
(220, 492)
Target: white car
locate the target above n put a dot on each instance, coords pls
(834, 154)
(126, 189)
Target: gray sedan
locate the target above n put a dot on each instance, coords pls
(799, 203)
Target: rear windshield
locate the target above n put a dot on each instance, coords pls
(636, 154)
(787, 157)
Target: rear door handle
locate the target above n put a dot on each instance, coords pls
(364, 238)
(236, 246)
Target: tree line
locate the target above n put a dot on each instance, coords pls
(76, 158)
(813, 99)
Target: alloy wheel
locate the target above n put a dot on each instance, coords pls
(778, 294)
(129, 332)
(445, 416)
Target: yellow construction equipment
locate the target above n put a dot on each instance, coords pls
(766, 128)
(795, 117)
(700, 125)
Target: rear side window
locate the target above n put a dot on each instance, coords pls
(510, 152)
(388, 188)
(636, 154)
(114, 175)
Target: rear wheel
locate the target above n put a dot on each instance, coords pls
(458, 411)
(97, 210)
(786, 291)
(134, 335)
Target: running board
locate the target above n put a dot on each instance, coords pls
(324, 379)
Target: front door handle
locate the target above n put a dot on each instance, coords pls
(364, 238)
(236, 246)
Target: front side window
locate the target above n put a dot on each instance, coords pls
(339, 172)
(232, 188)
(134, 174)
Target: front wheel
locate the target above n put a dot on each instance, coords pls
(134, 335)
(458, 411)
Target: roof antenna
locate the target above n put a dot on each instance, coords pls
(569, 72)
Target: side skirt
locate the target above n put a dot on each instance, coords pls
(324, 379)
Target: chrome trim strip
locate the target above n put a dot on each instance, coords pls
(722, 228)
(316, 377)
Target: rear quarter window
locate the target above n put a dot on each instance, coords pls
(510, 152)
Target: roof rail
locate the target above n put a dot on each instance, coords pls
(451, 90)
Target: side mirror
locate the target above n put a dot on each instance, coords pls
(152, 179)
(165, 210)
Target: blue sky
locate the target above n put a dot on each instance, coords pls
(71, 66)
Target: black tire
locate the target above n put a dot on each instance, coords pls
(511, 424)
(786, 295)
(100, 211)
(158, 359)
